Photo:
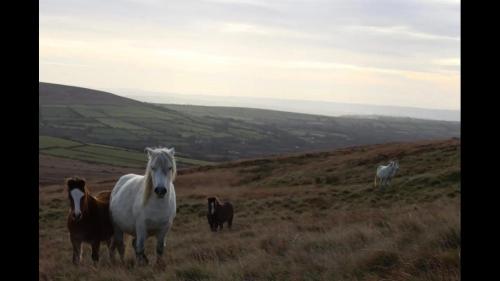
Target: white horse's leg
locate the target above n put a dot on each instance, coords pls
(161, 243)
(382, 183)
(117, 243)
(140, 239)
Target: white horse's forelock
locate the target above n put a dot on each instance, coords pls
(160, 157)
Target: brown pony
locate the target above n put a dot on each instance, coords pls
(88, 220)
(219, 213)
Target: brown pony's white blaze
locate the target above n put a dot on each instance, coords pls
(88, 219)
(76, 196)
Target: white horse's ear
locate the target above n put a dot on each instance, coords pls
(149, 151)
(171, 151)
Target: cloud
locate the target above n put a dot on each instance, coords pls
(404, 31)
(272, 47)
(448, 61)
(63, 64)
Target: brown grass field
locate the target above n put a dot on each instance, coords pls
(298, 217)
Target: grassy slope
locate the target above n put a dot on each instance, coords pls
(101, 154)
(302, 217)
(214, 133)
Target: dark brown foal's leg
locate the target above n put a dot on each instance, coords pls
(77, 250)
(95, 251)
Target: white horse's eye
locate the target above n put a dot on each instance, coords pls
(170, 168)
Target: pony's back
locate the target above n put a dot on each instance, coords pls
(103, 196)
(121, 182)
(123, 199)
(228, 205)
(226, 211)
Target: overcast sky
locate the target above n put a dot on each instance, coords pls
(401, 52)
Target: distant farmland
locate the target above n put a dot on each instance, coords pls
(102, 154)
(215, 133)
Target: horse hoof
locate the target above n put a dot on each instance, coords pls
(94, 266)
(142, 260)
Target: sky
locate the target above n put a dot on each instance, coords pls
(383, 52)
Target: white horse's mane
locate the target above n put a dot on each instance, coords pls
(163, 157)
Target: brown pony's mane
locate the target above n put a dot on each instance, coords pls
(75, 179)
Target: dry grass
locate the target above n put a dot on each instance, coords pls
(288, 226)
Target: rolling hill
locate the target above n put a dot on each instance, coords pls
(306, 216)
(214, 133)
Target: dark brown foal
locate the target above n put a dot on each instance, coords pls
(88, 220)
(219, 213)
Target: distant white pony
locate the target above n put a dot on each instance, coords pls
(385, 173)
(135, 210)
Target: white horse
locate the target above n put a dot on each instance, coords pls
(135, 210)
(385, 173)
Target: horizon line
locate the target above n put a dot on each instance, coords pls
(113, 91)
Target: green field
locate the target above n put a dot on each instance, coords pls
(46, 142)
(101, 154)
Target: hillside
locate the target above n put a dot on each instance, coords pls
(54, 170)
(311, 216)
(428, 170)
(55, 94)
(214, 133)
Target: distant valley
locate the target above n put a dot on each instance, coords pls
(326, 108)
(203, 133)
